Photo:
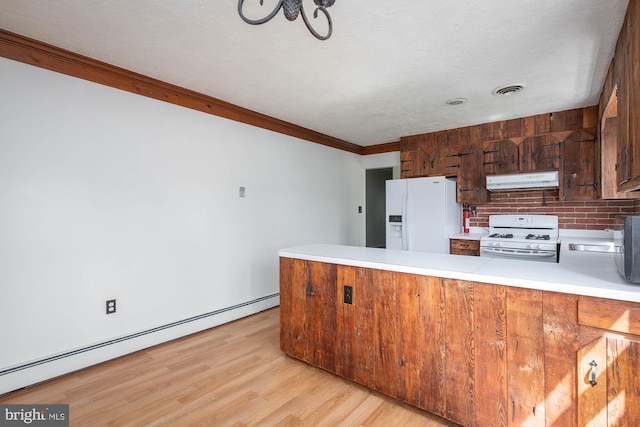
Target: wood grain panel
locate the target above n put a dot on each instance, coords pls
(346, 326)
(432, 346)
(383, 287)
(612, 315)
(561, 340)
(540, 153)
(592, 401)
(460, 360)
(491, 355)
(321, 316)
(49, 57)
(293, 329)
(409, 335)
(364, 354)
(579, 166)
(525, 357)
(623, 384)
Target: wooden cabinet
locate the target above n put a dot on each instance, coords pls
(477, 354)
(500, 157)
(608, 362)
(471, 186)
(538, 153)
(464, 247)
(626, 72)
(445, 161)
(308, 296)
(580, 171)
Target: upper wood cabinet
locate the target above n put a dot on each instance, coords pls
(579, 173)
(500, 157)
(445, 161)
(539, 153)
(626, 76)
(471, 177)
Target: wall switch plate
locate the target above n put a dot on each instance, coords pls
(348, 295)
(111, 306)
(242, 191)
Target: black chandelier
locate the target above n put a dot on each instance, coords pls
(293, 8)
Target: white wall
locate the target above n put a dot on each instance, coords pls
(106, 194)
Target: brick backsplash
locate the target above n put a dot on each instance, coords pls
(587, 215)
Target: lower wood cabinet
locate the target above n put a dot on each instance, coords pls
(475, 353)
(608, 363)
(464, 247)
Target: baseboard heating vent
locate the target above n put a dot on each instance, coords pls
(132, 336)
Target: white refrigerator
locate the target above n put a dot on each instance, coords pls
(422, 213)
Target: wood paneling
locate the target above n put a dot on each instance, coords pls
(432, 346)
(525, 357)
(491, 355)
(460, 349)
(561, 339)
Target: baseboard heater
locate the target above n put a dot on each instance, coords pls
(132, 336)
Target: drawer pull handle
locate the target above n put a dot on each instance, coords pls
(592, 381)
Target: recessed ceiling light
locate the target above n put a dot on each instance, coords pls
(508, 90)
(457, 101)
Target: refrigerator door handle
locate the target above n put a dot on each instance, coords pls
(406, 243)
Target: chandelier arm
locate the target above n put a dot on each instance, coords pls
(315, 15)
(258, 21)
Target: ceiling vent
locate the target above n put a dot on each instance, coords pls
(508, 90)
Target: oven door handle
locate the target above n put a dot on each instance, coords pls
(501, 251)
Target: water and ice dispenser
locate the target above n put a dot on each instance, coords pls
(395, 225)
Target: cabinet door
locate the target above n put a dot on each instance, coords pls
(500, 157)
(321, 315)
(471, 177)
(308, 320)
(445, 161)
(293, 279)
(408, 162)
(539, 153)
(608, 383)
(579, 167)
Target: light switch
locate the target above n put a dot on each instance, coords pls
(242, 191)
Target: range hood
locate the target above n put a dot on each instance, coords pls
(523, 181)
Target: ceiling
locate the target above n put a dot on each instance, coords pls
(386, 72)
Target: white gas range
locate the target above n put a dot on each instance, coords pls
(524, 237)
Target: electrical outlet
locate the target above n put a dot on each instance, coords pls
(242, 191)
(359, 209)
(111, 306)
(348, 295)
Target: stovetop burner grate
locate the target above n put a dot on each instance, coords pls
(537, 237)
(501, 236)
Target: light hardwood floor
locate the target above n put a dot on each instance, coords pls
(232, 375)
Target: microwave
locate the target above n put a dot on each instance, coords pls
(628, 256)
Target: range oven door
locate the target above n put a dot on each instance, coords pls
(521, 254)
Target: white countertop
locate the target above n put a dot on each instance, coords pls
(580, 273)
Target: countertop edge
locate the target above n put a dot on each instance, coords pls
(472, 271)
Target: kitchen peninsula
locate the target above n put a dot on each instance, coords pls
(479, 341)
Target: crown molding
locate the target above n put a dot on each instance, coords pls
(39, 54)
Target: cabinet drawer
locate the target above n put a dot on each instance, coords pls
(464, 247)
(612, 315)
